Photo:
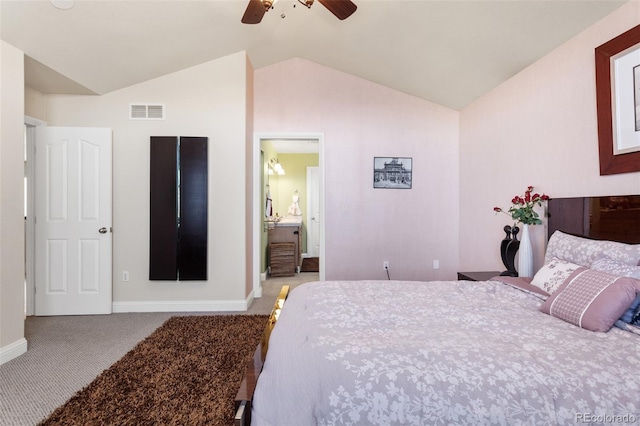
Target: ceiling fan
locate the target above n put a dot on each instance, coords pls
(256, 9)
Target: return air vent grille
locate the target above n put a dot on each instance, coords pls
(146, 112)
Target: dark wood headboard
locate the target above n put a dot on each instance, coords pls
(615, 218)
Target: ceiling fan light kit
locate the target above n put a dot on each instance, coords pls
(256, 9)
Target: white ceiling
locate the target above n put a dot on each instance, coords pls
(449, 52)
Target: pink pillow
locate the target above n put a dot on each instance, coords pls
(591, 299)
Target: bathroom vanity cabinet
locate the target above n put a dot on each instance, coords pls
(285, 259)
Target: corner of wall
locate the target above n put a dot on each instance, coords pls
(35, 104)
(11, 208)
(249, 197)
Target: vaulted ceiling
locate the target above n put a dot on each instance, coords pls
(449, 52)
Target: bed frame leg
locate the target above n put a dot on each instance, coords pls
(242, 417)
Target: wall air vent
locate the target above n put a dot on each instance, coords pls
(146, 112)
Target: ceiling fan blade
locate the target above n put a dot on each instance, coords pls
(254, 13)
(341, 8)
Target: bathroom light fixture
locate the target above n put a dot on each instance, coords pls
(276, 166)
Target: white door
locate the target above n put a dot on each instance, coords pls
(73, 221)
(313, 212)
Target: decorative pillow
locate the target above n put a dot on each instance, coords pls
(584, 251)
(614, 268)
(628, 327)
(610, 266)
(632, 315)
(553, 274)
(591, 299)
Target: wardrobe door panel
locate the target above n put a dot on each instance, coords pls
(163, 236)
(192, 246)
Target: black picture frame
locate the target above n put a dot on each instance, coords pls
(392, 172)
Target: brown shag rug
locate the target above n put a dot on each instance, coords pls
(187, 372)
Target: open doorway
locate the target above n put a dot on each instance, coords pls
(68, 255)
(267, 147)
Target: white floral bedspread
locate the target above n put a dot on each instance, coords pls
(440, 353)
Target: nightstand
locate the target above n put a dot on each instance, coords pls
(477, 276)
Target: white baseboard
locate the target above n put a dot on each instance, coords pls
(183, 305)
(13, 350)
(250, 297)
(263, 276)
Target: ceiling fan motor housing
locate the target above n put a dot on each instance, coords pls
(256, 9)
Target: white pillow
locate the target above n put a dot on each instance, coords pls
(553, 274)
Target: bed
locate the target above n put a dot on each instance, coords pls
(547, 350)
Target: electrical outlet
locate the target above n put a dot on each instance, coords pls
(385, 265)
(125, 276)
(436, 264)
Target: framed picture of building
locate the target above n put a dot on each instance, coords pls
(392, 172)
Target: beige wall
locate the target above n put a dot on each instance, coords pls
(35, 104)
(295, 179)
(360, 120)
(539, 128)
(12, 341)
(213, 100)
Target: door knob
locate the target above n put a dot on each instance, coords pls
(102, 230)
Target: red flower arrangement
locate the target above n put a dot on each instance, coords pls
(522, 207)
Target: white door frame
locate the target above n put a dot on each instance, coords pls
(257, 216)
(29, 243)
(311, 212)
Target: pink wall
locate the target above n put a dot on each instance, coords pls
(361, 120)
(539, 128)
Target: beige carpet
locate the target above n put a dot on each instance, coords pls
(66, 353)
